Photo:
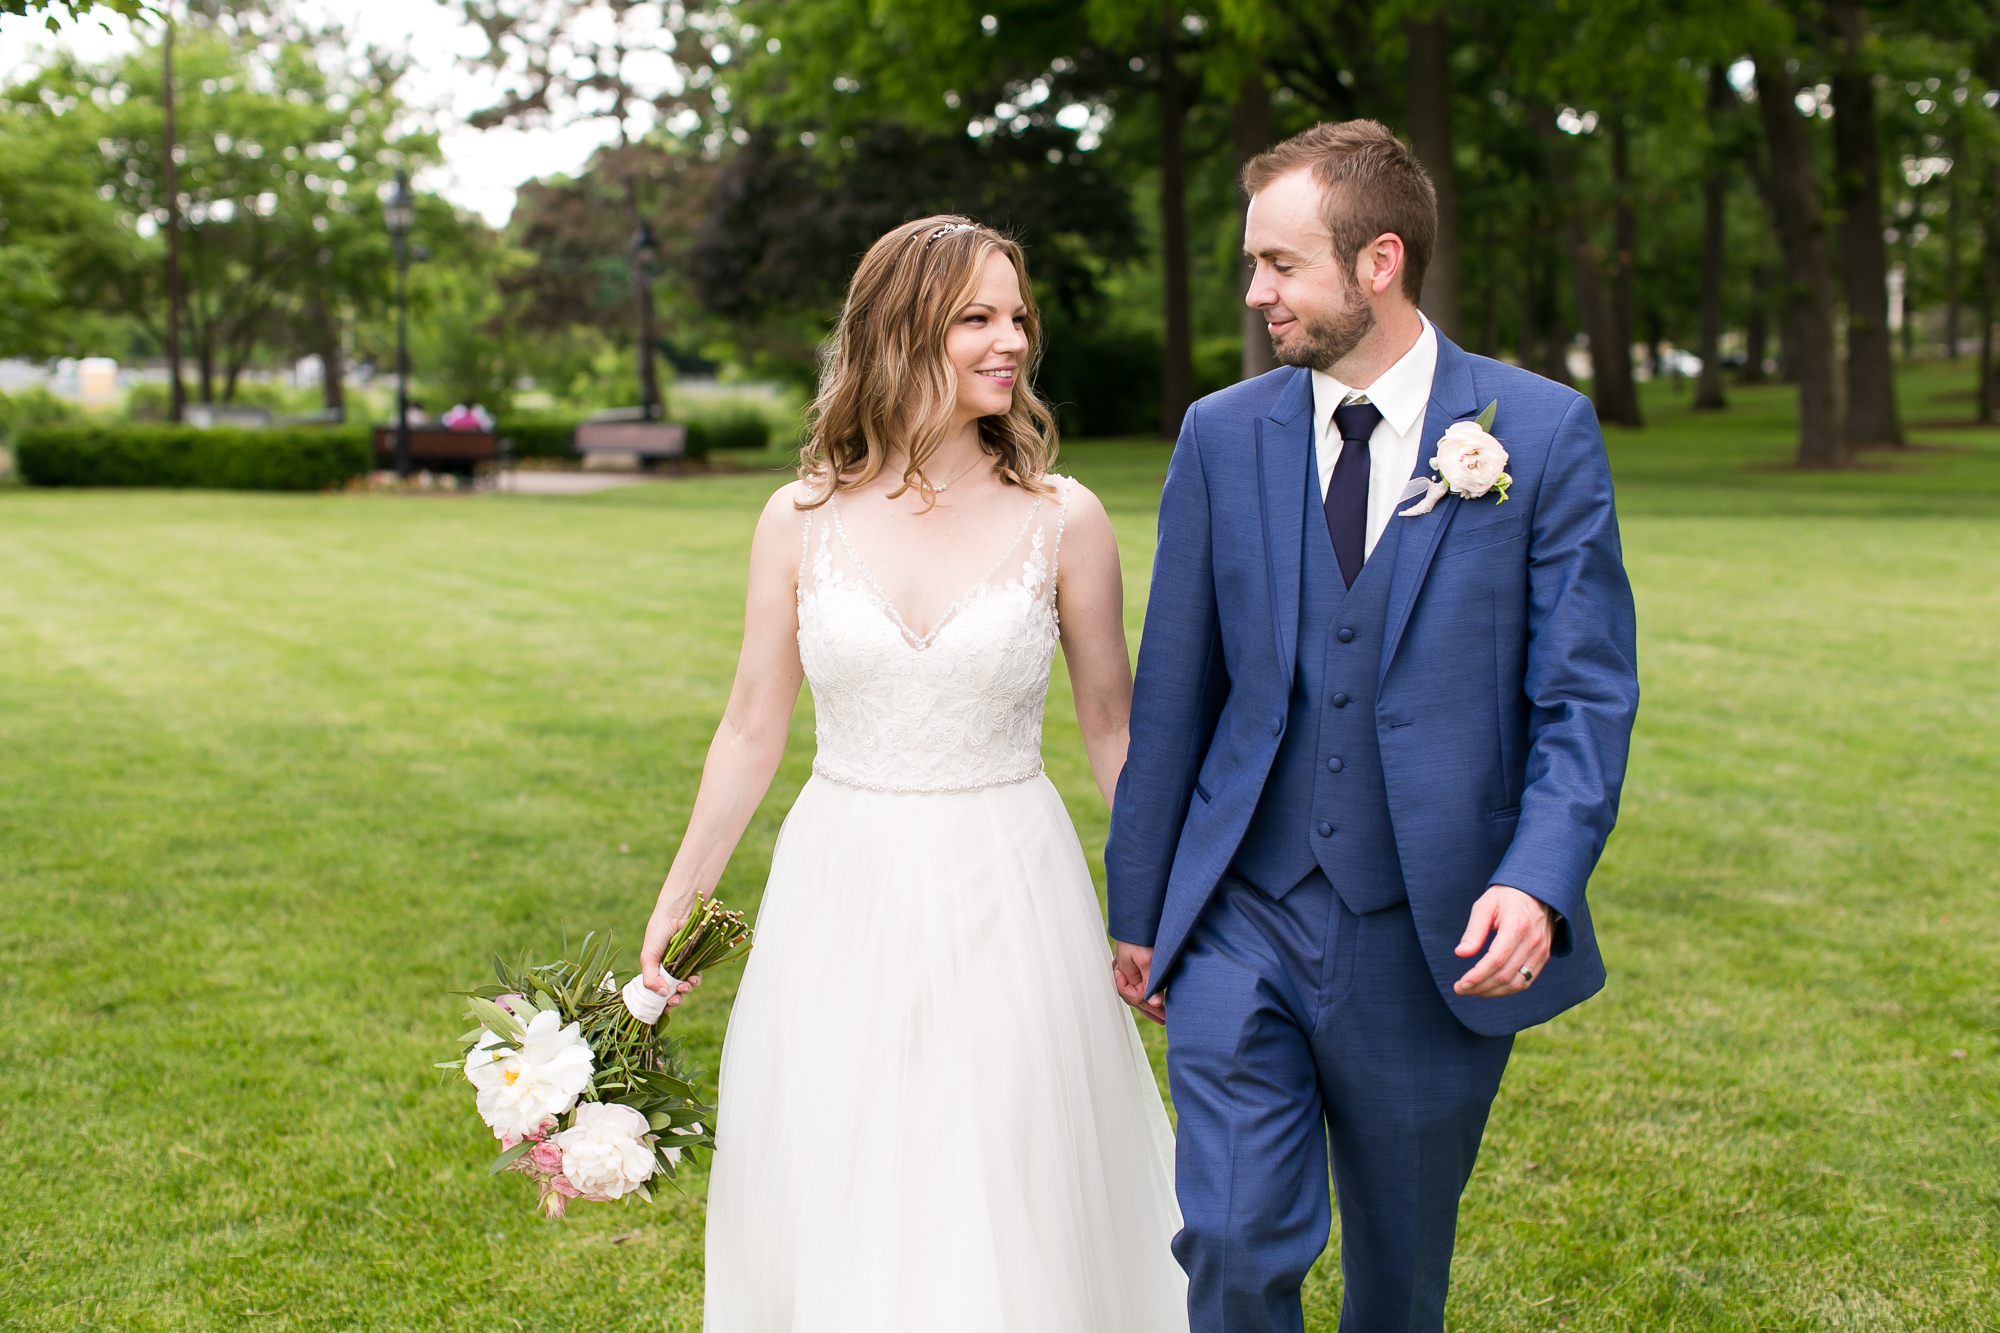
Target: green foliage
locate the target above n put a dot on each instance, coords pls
(539, 436)
(723, 426)
(31, 408)
(637, 1064)
(283, 145)
(105, 454)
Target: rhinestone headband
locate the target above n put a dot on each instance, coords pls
(948, 229)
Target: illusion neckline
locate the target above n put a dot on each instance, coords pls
(921, 642)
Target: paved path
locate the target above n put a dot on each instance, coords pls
(536, 482)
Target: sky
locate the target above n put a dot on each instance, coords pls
(481, 168)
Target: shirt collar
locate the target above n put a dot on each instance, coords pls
(1402, 392)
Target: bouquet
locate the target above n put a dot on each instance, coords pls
(578, 1079)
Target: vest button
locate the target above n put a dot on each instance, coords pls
(1333, 764)
(1346, 636)
(1340, 701)
(1325, 830)
(1277, 725)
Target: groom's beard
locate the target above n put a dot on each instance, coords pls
(1320, 344)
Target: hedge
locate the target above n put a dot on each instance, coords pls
(554, 437)
(299, 459)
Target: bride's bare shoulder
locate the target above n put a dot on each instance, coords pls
(1080, 505)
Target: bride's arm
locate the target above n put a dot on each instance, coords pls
(1090, 595)
(743, 757)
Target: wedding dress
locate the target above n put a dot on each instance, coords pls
(935, 1112)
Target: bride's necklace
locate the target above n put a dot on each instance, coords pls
(942, 487)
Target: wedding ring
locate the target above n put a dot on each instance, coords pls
(1527, 975)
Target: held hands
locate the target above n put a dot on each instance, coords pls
(1131, 971)
(659, 929)
(1522, 927)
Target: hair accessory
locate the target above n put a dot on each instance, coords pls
(949, 228)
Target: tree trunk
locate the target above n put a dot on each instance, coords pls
(171, 187)
(1524, 334)
(1987, 283)
(1951, 275)
(1489, 330)
(1757, 327)
(1801, 226)
(1556, 338)
(1708, 395)
(640, 273)
(1587, 280)
(1431, 139)
(332, 383)
(1864, 262)
(1625, 229)
(1177, 354)
(1250, 134)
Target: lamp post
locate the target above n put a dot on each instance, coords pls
(644, 251)
(399, 214)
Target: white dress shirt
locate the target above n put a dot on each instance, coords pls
(1401, 393)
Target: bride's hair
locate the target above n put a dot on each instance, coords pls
(885, 379)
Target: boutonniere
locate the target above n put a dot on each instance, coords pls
(1468, 463)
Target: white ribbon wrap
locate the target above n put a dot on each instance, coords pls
(645, 1004)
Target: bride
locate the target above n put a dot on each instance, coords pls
(935, 1110)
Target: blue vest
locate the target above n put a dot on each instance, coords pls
(1324, 804)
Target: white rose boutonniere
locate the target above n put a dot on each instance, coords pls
(1469, 463)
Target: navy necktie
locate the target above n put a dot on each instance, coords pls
(1347, 492)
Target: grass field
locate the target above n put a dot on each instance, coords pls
(278, 772)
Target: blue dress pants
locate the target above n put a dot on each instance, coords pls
(1295, 1027)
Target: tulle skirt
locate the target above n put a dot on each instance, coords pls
(935, 1112)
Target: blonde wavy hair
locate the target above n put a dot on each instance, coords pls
(885, 380)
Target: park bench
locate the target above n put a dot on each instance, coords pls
(629, 444)
(436, 449)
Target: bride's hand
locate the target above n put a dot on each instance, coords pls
(660, 929)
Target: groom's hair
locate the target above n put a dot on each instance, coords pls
(1369, 184)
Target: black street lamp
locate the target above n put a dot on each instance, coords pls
(644, 252)
(399, 215)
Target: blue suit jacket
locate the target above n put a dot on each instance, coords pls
(1508, 679)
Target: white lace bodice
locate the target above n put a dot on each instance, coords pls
(955, 709)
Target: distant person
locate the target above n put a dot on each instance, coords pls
(463, 416)
(935, 1115)
(1383, 706)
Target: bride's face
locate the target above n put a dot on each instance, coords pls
(987, 342)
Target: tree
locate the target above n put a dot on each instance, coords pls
(1708, 394)
(1430, 92)
(1864, 264)
(280, 158)
(1794, 198)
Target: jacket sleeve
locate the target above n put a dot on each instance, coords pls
(1582, 677)
(1177, 696)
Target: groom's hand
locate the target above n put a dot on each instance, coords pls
(1131, 969)
(1522, 927)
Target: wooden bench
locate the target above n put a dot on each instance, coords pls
(436, 449)
(630, 444)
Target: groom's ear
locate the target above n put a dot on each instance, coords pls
(1380, 264)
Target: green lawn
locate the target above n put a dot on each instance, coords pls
(276, 772)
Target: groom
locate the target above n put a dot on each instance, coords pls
(1376, 751)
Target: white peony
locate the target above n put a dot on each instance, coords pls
(522, 1090)
(1470, 461)
(605, 1153)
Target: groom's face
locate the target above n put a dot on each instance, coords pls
(1315, 307)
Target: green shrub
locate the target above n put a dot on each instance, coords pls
(538, 436)
(303, 459)
(32, 407)
(736, 426)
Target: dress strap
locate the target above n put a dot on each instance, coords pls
(1062, 517)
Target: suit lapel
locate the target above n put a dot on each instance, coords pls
(1452, 399)
(1284, 444)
